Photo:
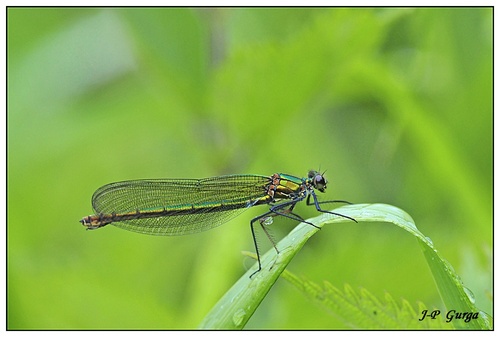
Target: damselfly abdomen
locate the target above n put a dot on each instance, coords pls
(187, 206)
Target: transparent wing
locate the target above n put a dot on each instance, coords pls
(202, 203)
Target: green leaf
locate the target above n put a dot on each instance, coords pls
(362, 310)
(236, 307)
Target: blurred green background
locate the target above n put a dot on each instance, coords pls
(396, 105)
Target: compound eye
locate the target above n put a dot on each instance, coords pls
(319, 182)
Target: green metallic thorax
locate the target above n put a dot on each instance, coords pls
(282, 187)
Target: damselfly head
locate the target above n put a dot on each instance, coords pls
(318, 180)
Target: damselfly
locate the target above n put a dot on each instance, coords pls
(187, 206)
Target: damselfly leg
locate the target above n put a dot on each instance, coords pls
(316, 203)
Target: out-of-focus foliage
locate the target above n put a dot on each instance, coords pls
(396, 105)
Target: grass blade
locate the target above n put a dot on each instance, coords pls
(236, 307)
